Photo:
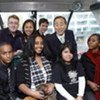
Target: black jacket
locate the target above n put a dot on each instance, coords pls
(7, 91)
(89, 69)
(53, 44)
(16, 42)
(4, 87)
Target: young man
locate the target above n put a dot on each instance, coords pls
(60, 36)
(6, 87)
(12, 35)
(43, 26)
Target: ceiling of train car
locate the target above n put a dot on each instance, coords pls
(45, 5)
(38, 0)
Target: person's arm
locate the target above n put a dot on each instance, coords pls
(93, 86)
(89, 74)
(81, 87)
(63, 92)
(21, 83)
(79, 98)
(35, 94)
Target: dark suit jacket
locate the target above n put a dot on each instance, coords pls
(53, 44)
(37, 32)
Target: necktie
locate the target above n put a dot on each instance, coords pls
(11, 95)
(62, 40)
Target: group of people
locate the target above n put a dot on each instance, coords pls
(49, 60)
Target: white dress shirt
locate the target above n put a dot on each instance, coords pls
(61, 38)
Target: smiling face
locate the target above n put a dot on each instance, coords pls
(6, 54)
(60, 26)
(13, 24)
(43, 27)
(93, 42)
(67, 56)
(38, 46)
(28, 28)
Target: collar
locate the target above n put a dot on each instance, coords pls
(10, 33)
(62, 36)
(3, 66)
(41, 33)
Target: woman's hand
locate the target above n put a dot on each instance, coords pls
(35, 94)
(38, 95)
(18, 52)
(93, 86)
(79, 98)
(50, 88)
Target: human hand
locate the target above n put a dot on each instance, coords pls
(79, 98)
(18, 52)
(50, 88)
(94, 86)
(38, 95)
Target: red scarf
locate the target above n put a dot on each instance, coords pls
(95, 58)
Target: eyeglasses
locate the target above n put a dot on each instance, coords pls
(15, 23)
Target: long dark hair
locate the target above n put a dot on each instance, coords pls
(28, 21)
(33, 44)
(30, 52)
(60, 59)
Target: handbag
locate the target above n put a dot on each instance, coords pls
(43, 88)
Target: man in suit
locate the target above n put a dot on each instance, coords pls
(60, 36)
(43, 26)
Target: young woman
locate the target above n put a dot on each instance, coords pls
(28, 32)
(91, 64)
(68, 75)
(34, 71)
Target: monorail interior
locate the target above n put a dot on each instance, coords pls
(45, 5)
(78, 12)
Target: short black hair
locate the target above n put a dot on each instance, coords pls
(60, 17)
(95, 34)
(4, 43)
(43, 20)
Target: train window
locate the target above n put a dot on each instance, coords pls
(22, 16)
(50, 16)
(82, 23)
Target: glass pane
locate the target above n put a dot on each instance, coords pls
(83, 25)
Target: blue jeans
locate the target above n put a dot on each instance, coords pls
(89, 95)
